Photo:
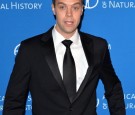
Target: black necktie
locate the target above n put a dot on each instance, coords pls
(69, 71)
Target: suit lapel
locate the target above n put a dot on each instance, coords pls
(49, 55)
(87, 44)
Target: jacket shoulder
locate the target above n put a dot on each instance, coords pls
(95, 39)
(32, 40)
(38, 38)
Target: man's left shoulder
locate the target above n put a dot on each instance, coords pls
(95, 39)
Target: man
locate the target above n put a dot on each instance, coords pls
(61, 69)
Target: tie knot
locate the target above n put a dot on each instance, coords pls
(67, 43)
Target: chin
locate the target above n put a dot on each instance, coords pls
(70, 30)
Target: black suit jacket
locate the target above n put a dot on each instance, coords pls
(36, 70)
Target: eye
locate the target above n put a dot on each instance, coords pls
(62, 7)
(76, 8)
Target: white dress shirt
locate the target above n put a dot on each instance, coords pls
(77, 53)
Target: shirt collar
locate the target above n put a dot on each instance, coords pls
(58, 38)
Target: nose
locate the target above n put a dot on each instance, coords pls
(69, 12)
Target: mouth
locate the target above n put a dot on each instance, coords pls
(69, 23)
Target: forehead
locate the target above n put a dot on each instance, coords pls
(68, 2)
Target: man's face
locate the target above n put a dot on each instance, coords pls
(68, 14)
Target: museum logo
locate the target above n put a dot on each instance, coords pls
(16, 49)
(90, 4)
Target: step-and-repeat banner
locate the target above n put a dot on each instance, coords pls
(113, 20)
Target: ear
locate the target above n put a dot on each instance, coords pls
(82, 10)
(53, 9)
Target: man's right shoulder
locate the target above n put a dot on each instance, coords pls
(37, 38)
(32, 40)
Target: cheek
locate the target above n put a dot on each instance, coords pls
(59, 16)
(77, 17)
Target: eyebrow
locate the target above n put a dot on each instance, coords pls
(78, 3)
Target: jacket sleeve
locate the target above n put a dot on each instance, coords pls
(18, 86)
(112, 85)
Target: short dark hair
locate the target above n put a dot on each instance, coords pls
(53, 1)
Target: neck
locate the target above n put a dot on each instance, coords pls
(66, 35)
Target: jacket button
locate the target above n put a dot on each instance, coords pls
(70, 109)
